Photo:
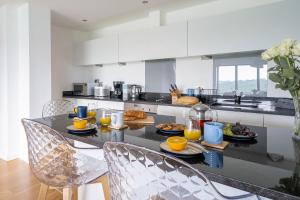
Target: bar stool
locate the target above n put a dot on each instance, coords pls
(57, 107)
(56, 163)
(137, 173)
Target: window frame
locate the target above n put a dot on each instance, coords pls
(252, 59)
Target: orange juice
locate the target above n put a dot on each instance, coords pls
(192, 134)
(105, 121)
(91, 113)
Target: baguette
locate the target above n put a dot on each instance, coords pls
(187, 100)
(135, 114)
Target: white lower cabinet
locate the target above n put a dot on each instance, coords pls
(114, 105)
(254, 119)
(173, 111)
(278, 121)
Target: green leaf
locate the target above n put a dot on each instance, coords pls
(283, 61)
(288, 73)
(275, 77)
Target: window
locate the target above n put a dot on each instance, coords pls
(245, 73)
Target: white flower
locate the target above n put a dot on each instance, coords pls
(274, 51)
(284, 50)
(265, 56)
(296, 50)
(288, 43)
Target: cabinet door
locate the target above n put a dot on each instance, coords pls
(111, 105)
(248, 30)
(162, 42)
(173, 111)
(278, 121)
(99, 51)
(242, 117)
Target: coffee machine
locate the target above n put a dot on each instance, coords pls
(118, 89)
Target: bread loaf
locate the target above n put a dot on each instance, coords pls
(130, 114)
(187, 100)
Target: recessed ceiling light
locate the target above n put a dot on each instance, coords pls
(145, 1)
(84, 20)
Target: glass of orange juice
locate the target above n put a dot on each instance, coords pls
(192, 130)
(105, 117)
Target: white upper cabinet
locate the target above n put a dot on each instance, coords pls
(156, 43)
(99, 51)
(247, 30)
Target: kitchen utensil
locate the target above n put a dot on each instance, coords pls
(189, 151)
(101, 91)
(203, 113)
(117, 119)
(148, 120)
(213, 132)
(118, 89)
(135, 91)
(82, 111)
(84, 89)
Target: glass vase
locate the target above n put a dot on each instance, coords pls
(297, 115)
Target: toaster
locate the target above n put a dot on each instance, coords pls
(101, 91)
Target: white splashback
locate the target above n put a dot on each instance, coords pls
(133, 72)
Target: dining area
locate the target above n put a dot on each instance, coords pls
(74, 146)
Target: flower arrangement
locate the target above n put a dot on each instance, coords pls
(286, 72)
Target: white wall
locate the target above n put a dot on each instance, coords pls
(26, 66)
(3, 83)
(63, 72)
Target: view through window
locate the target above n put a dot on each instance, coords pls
(236, 75)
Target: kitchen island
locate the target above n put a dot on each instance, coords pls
(265, 166)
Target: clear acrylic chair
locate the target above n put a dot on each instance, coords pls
(137, 173)
(56, 163)
(57, 107)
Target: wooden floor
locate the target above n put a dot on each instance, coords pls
(17, 182)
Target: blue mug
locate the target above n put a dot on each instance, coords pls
(213, 132)
(82, 111)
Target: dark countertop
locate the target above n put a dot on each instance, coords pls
(265, 107)
(246, 166)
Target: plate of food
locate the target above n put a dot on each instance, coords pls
(171, 128)
(238, 132)
(180, 147)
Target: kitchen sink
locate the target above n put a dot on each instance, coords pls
(243, 101)
(248, 105)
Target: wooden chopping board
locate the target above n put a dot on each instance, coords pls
(148, 120)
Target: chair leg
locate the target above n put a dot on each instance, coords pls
(43, 192)
(67, 194)
(74, 193)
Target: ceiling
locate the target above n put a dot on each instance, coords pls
(70, 13)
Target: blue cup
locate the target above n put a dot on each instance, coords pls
(82, 111)
(213, 132)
